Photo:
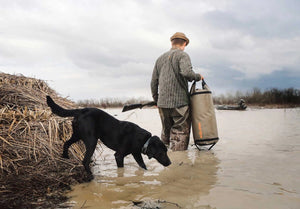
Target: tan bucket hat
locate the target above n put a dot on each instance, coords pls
(180, 35)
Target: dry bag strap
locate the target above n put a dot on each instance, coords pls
(177, 76)
(203, 84)
(193, 87)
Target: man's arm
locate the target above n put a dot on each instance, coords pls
(186, 69)
(154, 83)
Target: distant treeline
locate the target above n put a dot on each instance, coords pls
(274, 96)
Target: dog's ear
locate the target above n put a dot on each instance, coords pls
(151, 150)
(155, 146)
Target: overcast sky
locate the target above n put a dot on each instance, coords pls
(95, 49)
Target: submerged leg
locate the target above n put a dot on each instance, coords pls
(180, 131)
(139, 159)
(90, 146)
(119, 159)
(166, 122)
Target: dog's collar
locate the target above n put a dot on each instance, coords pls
(145, 147)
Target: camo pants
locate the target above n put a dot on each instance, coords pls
(176, 124)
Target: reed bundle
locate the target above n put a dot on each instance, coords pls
(31, 140)
(20, 91)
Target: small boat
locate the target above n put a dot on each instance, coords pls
(240, 106)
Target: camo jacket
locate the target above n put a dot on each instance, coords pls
(167, 90)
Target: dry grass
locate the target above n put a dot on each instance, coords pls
(33, 174)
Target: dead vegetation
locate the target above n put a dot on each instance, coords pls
(32, 172)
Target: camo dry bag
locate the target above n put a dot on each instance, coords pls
(204, 124)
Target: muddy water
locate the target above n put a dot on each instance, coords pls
(256, 164)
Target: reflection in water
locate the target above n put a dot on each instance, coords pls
(254, 165)
(191, 175)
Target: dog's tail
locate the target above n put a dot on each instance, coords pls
(58, 110)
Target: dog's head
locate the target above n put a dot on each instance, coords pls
(156, 149)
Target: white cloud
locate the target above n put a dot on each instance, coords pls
(94, 49)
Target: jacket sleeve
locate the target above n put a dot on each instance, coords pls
(186, 69)
(154, 83)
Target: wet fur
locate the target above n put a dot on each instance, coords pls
(91, 124)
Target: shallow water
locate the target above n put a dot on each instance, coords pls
(256, 164)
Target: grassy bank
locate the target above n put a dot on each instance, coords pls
(32, 172)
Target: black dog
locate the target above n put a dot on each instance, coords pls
(91, 124)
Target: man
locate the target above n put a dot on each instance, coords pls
(169, 87)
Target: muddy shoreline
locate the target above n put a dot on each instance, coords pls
(38, 188)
